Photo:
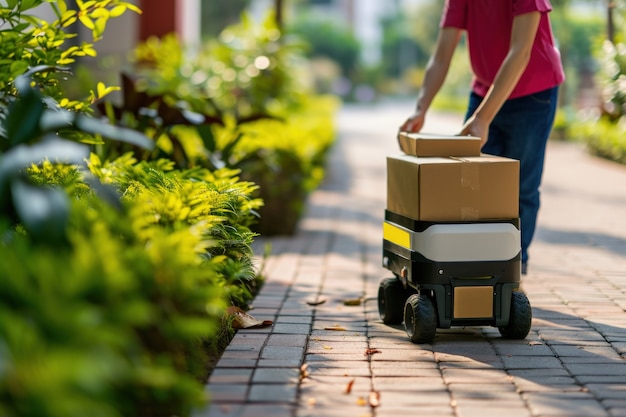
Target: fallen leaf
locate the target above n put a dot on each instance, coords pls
(243, 320)
(361, 402)
(348, 389)
(374, 399)
(370, 352)
(328, 348)
(336, 328)
(311, 402)
(316, 302)
(353, 301)
(304, 373)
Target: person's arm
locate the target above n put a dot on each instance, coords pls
(523, 35)
(436, 72)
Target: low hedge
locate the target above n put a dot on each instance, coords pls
(117, 322)
(603, 138)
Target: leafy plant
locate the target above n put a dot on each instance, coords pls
(32, 136)
(614, 80)
(328, 39)
(257, 116)
(115, 273)
(28, 41)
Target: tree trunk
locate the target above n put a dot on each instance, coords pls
(610, 25)
(278, 6)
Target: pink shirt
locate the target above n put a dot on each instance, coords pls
(488, 25)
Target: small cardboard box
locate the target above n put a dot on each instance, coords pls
(423, 144)
(453, 189)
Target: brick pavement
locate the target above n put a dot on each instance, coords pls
(572, 363)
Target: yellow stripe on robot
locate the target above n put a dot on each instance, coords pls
(396, 235)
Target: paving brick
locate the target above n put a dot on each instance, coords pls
(279, 363)
(229, 393)
(608, 391)
(492, 410)
(478, 376)
(615, 369)
(293, 340)
(276, 376)
(416, 384)
(262, 410)
(283, 352)
(596, 353)
(569, 404)
(291, 328)
(273, 393)
(231, 376)
(529, 362)
(236, 363)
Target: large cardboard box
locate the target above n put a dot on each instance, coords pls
(453, 189)
(425, 144)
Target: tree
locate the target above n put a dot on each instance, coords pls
(217, 15)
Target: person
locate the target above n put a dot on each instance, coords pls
(517, 71)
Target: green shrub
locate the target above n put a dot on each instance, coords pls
(603, 138)
(613, 78)
(115, 272)
(116, 323)
(286, 159)
(328, 39)
(28, 41)
(252, 113)
(216, 204)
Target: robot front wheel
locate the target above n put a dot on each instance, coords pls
(420, 318)
(520, 318)
(397, 304)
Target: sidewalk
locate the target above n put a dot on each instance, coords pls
(572, 364)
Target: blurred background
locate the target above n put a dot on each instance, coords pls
(367, 49)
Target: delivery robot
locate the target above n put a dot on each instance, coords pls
(452, 274)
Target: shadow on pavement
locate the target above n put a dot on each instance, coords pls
(615, 244)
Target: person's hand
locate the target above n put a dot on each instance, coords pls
(414, 123)
(476, 127)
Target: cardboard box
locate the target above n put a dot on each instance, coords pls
(453, 189)
(423, 144)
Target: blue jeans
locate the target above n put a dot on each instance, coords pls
(520, 131)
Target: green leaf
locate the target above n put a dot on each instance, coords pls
(106, 192)
(86, 21)
(18, 68)
(16, 160)
(99, 127)
(43, 211)
(207, 136)
(22, 122)
(51, 148)
(43, 68)
(55, 119)
(28, 4)
(99, 27)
